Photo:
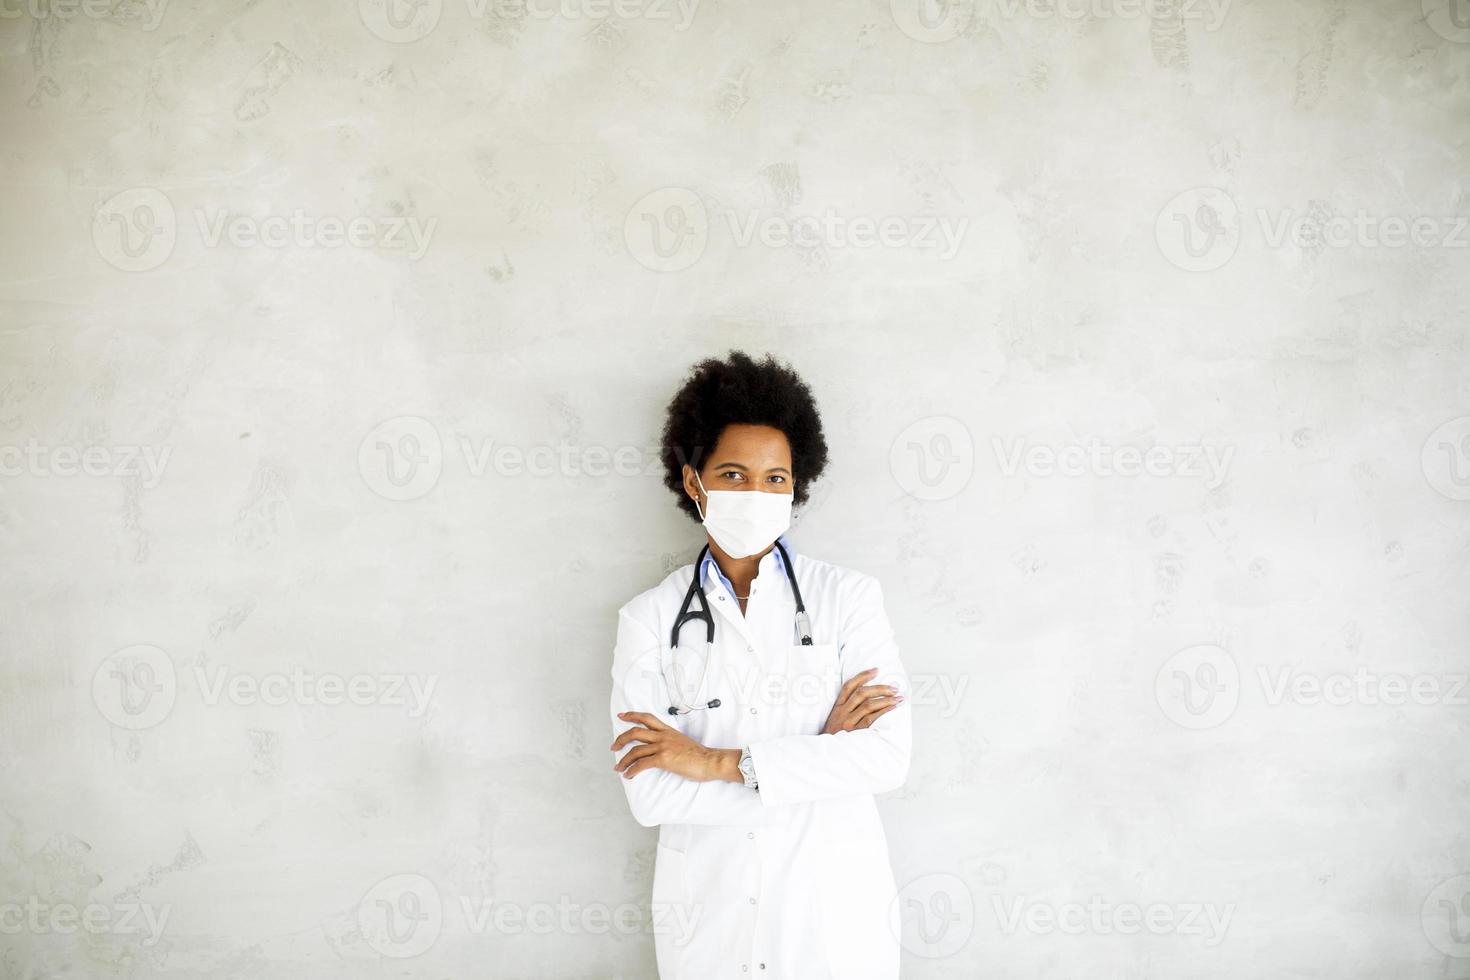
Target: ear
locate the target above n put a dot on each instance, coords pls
(691, 488)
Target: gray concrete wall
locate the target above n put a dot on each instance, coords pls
(334, 348)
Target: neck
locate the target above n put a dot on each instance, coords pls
(740, 571)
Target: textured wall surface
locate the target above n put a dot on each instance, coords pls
(335, 342)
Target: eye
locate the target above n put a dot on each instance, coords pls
(776, 478)
(733, 475)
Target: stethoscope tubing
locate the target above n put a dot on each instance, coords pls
(696, 588)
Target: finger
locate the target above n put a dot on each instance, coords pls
(631, 735)
(863, 699)
(839, 719)
(634, 734)
(641, 765)
(645, 719)
(853, 683)
(845, 692)
(874, 707)
(634, 754)
(873, 716)
(873, 691)
(853, 717)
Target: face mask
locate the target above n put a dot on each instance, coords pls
(743, 522)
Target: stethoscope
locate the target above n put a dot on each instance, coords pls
(686, 613)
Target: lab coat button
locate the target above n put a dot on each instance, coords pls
(754, 712)
(750, 649)
(752, 901)
(744, 967)
(751, 835)
(763, 966)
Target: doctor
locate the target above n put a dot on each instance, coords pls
(756, 739)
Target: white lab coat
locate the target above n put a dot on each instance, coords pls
(791, 881)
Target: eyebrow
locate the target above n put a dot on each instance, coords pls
(741, 466)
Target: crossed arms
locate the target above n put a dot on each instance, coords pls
(862, 749)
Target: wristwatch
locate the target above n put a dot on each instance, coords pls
(747, 769)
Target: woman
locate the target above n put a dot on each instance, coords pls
(757, 738)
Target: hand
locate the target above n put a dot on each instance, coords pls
(659, 746)
(858, 706)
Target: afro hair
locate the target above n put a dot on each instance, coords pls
(741, 391)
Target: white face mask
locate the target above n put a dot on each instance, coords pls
(743, 522)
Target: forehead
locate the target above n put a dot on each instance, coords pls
(752, 445)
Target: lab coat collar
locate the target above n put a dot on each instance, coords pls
(719, 588)
(710, 569)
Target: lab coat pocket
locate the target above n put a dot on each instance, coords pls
(814, 677)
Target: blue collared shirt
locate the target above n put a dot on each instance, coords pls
(711, 565)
